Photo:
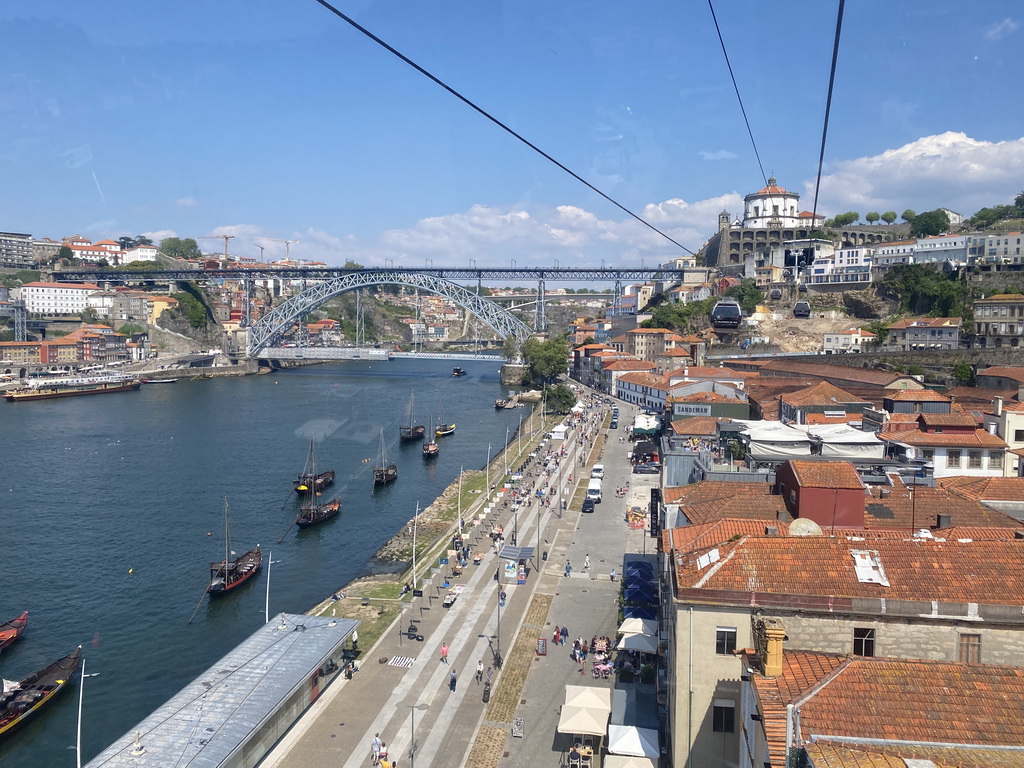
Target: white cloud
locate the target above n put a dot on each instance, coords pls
(949, 170)
(186, 202)
(157, 235)
(721, 154)
(1004, 28)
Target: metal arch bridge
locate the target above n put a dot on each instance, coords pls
(270, 328)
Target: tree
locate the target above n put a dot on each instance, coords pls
(192, 308)
(141, 240)
(63, 253)
(88, 316)
(880, 328)
(889, 217)
(963, 373)
(1018, 203)
(986, 217)
(908, 215)
(510, 348)
(349, 264)
(871, 217)
(559, 399)
(546, 359)
(125, 242)
(930, 223)
(845, 219)
(180, 248)
(747, 294)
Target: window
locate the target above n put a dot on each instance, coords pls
(723, 719)
(995, 460)
(725, 640)
(953, 458)
(1018, 435)
(974, 459)
(863, 641)
(970, 649)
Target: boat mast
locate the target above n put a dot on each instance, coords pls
(227, 540)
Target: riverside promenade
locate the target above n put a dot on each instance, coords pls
(403, 690)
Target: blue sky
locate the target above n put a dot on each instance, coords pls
(277, 120)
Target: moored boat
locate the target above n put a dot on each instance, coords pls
(47, 389)
(230, 574)
(444, 429)
(159, 381)
(456, 371)
(313, 513)
(26, 698)
(410, 432)
(309, 480)
(431, 450)
(384, 471)
(12, 630)
(500, 403)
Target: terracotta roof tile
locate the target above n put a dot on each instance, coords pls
(710, 490)
(640, 378)
(822, 393)
(985, 488)
(696, 425)
(897, 509)
(918, 395)
(864, 376)
(690, 537)
(947, 420)
(826, 474)
(705, 397)
(1005, 372)
(980, 439)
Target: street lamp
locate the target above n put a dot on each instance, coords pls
(81, 694)
(412, 731)
(487, 472)
(266, 604)
(506, 450)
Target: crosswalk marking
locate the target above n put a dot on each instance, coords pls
(401, 661)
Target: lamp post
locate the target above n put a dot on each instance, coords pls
(461, 469)
(519, 440)
(506, 450)
(266, 604)
(497, 658)
(412, 731)
(487, 472)
(81, 694)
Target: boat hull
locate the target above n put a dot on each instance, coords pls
(385, 475)
(12, 630)
(50, 393)
(306, 484)
(36, 691)
(314, 515)
(409, 434)
(444, 429)
(239, 572)
(431, 451)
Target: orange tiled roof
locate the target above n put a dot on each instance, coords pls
(826, 474)
(706, 372)
(710, 490)
(696, 425)
(81, 286)
(630, 365)
(980, 439)
(948, 420)
(981, 394)
(918, 395)
(898, 509)
(985, 488)
(821, 418)
(640, 378)
(688, 537)
(822, 393)
(863, 376)
(926, 322)
(704, 397)
(1005, 372)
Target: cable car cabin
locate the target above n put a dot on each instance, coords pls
(802, 309)
(776, 294)
(727, 315)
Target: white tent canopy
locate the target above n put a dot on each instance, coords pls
(770, 440)
(628, 761)
(638, 627)
(583, 720)
(841, 441)
(638, 742)
(642, 643)
(588, 696)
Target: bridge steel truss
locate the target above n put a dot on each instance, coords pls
(16, 309)
(270, 328)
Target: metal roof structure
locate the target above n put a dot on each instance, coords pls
(509, 552)
(214, 716)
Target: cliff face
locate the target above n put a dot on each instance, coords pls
(207, 336)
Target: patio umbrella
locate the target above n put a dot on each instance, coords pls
(639, 612)
(638, 595)
(639, 582)
(638, 627)
(588, 696)
(628, 740)
(642, 643)
(629, 761)
(584, 720)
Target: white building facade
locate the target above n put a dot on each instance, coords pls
(56, 298)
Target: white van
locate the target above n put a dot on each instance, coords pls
(598, 471)
(594, 490)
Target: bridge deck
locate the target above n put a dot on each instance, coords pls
(364, 353)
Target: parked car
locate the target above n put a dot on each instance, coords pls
(589, 505)
(646, 469)
(614, 424)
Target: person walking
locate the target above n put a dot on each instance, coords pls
(479, 672)
(568, 568)
(564, 634)
(444, 653)
(452, 680)
(490, 671)
(375, 745)
(586, 564)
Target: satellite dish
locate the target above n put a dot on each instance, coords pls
(804, 526)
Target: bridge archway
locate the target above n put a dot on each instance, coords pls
(270, 328)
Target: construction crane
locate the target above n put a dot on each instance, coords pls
(287, 244)
(219, 237)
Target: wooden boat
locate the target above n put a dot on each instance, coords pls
(27, 697)
(384, 472)
(12, 630)
(444, 429)
(431, 450)
(456, 371)
(309, 480)
(413, 431)
(159, 381)
(499, 404)
(47, 389)
(230, 574)
(313, 512)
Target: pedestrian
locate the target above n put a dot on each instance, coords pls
(479, 672)
(355, 640)
(375, 745)
(568, 568)
(501, 599)
(612, 574)
(586, 649)
(564, 634)
(384, 755)
(444, 653)
(452, 680)
(555, 636)
(489, 672)
(586, 563)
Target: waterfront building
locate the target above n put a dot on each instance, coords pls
(999, 321)
(995, 248)
(649, 391)
(56, 298)
(951, 443)
(923, 333)
(890, 254)
(139, 253)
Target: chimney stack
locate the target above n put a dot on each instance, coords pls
(997, 406)
(774, 634)
(943, 521)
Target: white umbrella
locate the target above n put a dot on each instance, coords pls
(642, 643)
(629, 761)
(638, 627)
(583, 720)
(628, 740)
(588, 696)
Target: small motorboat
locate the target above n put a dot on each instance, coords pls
(456, 371)
(12, 630)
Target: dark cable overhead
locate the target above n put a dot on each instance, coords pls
(495, 120)
(828, 106)
(737, 89)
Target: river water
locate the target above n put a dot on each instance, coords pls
(111, 509)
